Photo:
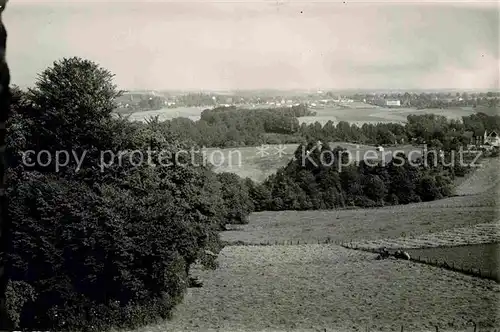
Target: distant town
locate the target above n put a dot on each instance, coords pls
(136, 101)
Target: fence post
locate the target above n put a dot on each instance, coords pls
(402, 328)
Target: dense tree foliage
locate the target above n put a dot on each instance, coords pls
(233, 127)
(110, 240)
(317, 183)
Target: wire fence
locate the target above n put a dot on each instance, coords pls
(452, 266)
(471, 326)
(476, 272)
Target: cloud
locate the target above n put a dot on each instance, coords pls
(266, 44)
(483, 74)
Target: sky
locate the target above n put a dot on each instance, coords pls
(223, 45)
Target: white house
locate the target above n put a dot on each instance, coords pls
(492, 138)
(393, 103)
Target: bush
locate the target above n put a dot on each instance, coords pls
(363, 201)
(79, 250)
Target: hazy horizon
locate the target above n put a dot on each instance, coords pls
(262, 44)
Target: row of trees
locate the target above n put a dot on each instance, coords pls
(317, 182)
(322, 181)
(232, 127)
(136, 102)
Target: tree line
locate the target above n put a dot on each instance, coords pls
(322, 182)
(234, 127)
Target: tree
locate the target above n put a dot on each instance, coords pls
(97, 248)
(428, 189)
(238, 204)
(374, 188)
(72, 103)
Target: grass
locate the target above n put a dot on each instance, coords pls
(192, 113)
(251, 162)
(369, 114)
(480, 257)
(311, 287)
(360, 224)
(482, 180)
(358, 115)
(486, 233)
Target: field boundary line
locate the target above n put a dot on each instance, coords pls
(475, 272)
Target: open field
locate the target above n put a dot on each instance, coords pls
(460, 236)
(370, 114)
(251, 161)
(363, 224)
(481, 257)
(311, 287)
(163, 114)
(258, 164)
(484, 179)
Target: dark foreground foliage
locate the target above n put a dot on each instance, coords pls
(102, 242)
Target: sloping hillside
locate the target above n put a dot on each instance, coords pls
(483, 180)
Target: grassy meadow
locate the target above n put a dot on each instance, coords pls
(330, 288)
(369, 114)
(163, 114)
(482, 257)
